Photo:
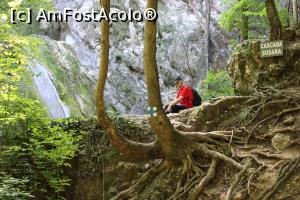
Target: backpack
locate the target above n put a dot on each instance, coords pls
(196, 98)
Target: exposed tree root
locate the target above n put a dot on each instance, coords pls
(254, 157)
(190, 171)
(270, 90)
(283, 175)
(260, 106)
(182, 190)
(282, 130)
(236, 181)
(213, 145)
(214, 154)
(212, 137)
(208, 177)
(231, 139)
(130, 192)
(250, 184)
(269, 118)
(269, 155)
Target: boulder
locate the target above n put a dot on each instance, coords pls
(281, 141)
(248, 70)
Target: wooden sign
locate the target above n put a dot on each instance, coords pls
(271, 49)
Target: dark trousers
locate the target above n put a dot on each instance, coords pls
(175, 109)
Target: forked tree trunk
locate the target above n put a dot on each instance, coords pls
(131, 151)
(274, 21)
(169, 140)
(160, 124)
(295, 12)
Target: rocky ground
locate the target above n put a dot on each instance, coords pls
(270, 131)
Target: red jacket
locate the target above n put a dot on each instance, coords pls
(187, 94)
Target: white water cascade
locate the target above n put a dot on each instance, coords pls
(48, 93)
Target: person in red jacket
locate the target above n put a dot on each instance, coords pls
(184, 98)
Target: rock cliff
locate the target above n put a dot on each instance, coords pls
(180, 50)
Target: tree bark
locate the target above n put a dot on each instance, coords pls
(274, 21)
(290, 12)
(160, 124)
(295, 12)
(207, 35)
(129, 150)
(245, 26)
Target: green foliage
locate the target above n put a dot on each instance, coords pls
(233, 43)
(15, 110)
(41, 156)
(244, 114)
(12, 188)
(232, 17)
(216, 84)
(255, 11)
(34, 152)
(285, 16)
(122, 124)
(96, 146)
(125, 126)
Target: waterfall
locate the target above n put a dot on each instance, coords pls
(48, 93)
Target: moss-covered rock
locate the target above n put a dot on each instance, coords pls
(75, 87)
(249, 70)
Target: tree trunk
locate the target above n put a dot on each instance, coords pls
(207, 35)
(290, 12)
(274, 21)
(131, 151)
(245, 26)
(160, 124)
(295, 12)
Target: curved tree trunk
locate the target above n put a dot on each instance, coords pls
(131, 151)
(274, 21)
(168, 137)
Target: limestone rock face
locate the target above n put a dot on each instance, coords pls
(249, 70)
(180, 48)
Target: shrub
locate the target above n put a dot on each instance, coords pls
(33, 152)
(216, 84)
(12, 188)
